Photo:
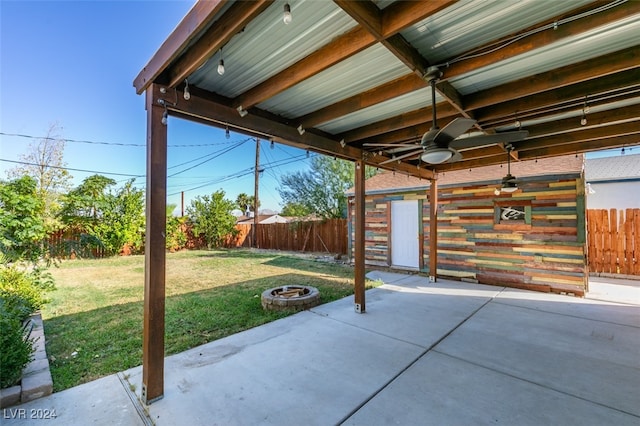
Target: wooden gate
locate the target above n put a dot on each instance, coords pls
(614, 241)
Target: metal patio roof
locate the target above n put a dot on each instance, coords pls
(351, 72)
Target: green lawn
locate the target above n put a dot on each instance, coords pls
(93, 324)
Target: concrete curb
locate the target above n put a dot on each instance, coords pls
(36, 378)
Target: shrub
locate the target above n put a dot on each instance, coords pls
(176, 233)
(16, 348)
(212, 219)
(23, 292)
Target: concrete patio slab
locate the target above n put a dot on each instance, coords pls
(423, 353)
(594, 360)
(100, 402)
(305, 368)
(442, 390)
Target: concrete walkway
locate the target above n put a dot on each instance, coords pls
(445, 353)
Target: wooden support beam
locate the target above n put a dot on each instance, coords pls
(433, 231)
(398, 87)
(594, 119)
(590, 69)
(359, 216)
(332, 53)
(203, 108)
(542, 39)
(412, 118)
(626, 80)
(238, 16)
(580, 135)
(155, 262)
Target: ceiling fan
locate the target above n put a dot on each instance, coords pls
(439, 145)
(509, 182)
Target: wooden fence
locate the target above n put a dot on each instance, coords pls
(72, 243)
(614, 241)
(328, 236)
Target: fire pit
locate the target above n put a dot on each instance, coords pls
(297, 297)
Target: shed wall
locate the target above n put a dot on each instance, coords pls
(546, 254)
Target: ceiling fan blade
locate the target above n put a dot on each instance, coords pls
(476, 141)
(456, 157)
(401, 157)
(452, 130)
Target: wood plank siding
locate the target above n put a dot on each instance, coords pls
(545, 251)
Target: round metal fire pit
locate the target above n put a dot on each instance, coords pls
(297, 297)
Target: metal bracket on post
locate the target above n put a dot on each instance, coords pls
(143, 393)
(432, 279)
(358, 308)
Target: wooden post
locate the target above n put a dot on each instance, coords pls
(433, 230)
(255, 195)
(358, 244)
(155, 262)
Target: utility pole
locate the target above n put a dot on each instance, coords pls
(255, 195)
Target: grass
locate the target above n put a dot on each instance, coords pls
(93, 323)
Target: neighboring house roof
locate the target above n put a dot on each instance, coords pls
(389, 181)
(271, 218)
(621, 167)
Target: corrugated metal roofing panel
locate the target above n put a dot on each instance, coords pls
(363, 71)
(612, 168)
(470, 23)
(390, 108)
(251, 56)
(599, 41)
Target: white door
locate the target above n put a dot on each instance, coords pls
(404, 234)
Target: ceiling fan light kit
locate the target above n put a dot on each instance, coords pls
(436, 155)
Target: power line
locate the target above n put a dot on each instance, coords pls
(19, 135)
(205, 156)
(69, 168)
(208, 159)
(243, 172)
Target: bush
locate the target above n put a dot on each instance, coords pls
(16, 348)
(176, 233)
(23, 292)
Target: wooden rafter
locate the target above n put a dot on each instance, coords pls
(542, 39)
(575, 93)
(398, 87)
(196, 20)
(580, 72)
(332, 53)
(207, 107)
(218, 34)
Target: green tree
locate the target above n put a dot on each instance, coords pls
(295, 210)
(115, 218)
(321, 189)
(83, 206)
(246, 202)
(22, 227)
(45, 163)
(211, 217)
(176, 230)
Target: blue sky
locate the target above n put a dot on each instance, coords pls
(73, 63)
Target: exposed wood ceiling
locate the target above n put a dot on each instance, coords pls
(549, 103)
